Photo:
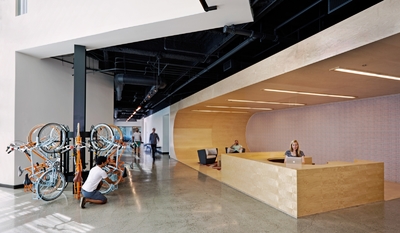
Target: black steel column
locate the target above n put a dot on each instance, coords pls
(80, 94)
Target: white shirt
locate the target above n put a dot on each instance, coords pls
(236, 147)
(137, 137)
(96, 174)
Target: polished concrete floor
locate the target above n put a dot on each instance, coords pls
(168, 196)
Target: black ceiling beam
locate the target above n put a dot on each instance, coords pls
(228, 54)
(153, 54)
(206, 7)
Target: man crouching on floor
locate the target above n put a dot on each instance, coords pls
(90, 189)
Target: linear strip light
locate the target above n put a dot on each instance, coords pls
(137, 109)
(214, 111)
(264, 102)
(248, 108)
(309, 93)
(365, 73)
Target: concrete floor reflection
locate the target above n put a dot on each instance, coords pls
(168, 196)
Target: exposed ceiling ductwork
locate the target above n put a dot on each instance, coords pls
(121, 79)
(193, 61)
(256, 35)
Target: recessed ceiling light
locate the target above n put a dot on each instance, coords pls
(249, 108)
(365, 73)
(310, 93)
(214, 111)
(264, 102)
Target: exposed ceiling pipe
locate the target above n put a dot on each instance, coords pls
(249, 33)
(121, 79)
(270, 5)
(154, 54)
(295, 16)
(183, 51)
(253, 37)
(212, 51)
(287, 21)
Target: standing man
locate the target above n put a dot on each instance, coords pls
(90, 189)
(153, 142)
(137, 139)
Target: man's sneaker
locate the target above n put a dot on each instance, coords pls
(83, 202)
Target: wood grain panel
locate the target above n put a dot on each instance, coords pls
(196, 130)
(194, 120)
(187, 142)
(229, 127)
(346, 185)
(271, 184)
(307, 190)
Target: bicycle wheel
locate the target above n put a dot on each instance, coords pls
(115, 176)
(51, 137)
(50, 185)
(102, 137)
(118, 135)
(34, 133)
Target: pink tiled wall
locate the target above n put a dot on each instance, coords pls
(359, 129)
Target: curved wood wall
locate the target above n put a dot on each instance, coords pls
(194, 131)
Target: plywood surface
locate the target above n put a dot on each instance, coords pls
(307, 190)
(339, 187)
(274, 185)
(392, 190)
(198, 130)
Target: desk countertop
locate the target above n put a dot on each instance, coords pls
(330, 186)
(265, 156)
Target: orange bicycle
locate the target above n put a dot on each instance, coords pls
(43, 179)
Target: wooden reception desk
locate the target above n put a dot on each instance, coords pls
(306, 190)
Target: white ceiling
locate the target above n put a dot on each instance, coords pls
(186, 20)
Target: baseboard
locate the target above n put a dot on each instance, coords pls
(160, 152)
(18, 186)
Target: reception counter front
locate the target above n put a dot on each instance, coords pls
(304, 190)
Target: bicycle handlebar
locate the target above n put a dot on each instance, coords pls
(9, 149)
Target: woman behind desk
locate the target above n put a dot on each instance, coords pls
(294, 151)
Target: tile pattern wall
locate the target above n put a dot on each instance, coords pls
(366, 129)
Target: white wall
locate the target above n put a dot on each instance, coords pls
(156, 121)
(132, 125)
(7, 91)
(166, 125)
(367, 129)
(44, 93)
(99, 99)
(138, 123)
(172, 115)
(52, 28)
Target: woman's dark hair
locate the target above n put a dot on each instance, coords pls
(100, 160)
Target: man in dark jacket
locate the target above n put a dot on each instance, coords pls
(153, 142)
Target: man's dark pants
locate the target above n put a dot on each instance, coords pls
(153, 150)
